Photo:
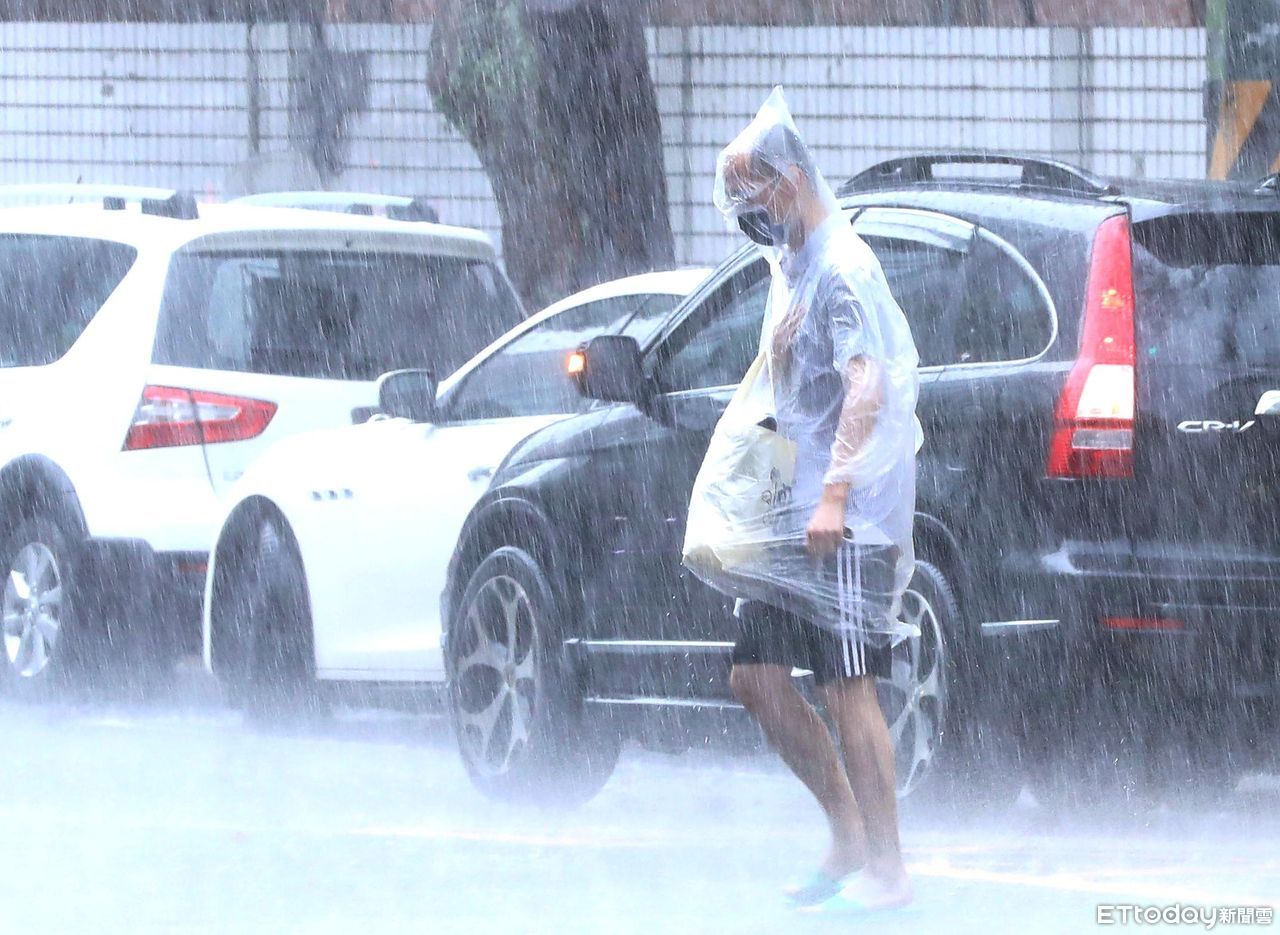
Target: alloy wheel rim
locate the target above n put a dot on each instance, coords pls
(915, 694)
(32, 609)
(497, 686)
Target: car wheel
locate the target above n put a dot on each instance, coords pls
(1092, 754)
(1199, 777)
(944, 750)
(517, 711)
(266, 611)
(1198, 750)
(40, 624)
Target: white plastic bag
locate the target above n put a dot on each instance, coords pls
(747, 475)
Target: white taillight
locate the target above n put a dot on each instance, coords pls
(169, 410)
(1108, 393)
(1101, 439)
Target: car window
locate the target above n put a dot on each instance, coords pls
(527, 376)
(974, 306)
(1003, 314)
(926, 280)
(52, 287)
(344, 316)
(716, 344)
(1206, 289)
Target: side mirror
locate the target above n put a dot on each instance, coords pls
(408, 394)
(609, 368)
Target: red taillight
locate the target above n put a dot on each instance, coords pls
(169, 416)
(1093, 424)
(1142, 623)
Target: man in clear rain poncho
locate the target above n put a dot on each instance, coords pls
(803, 508)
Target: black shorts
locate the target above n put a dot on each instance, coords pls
(771, 635)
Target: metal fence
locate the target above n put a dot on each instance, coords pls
(208, 107)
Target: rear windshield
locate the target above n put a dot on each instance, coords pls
(50, 289)
(1208, 289)
(341, 316)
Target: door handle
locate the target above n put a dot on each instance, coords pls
(1269, 404)
(479, 473)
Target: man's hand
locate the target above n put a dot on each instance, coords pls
(826, 528)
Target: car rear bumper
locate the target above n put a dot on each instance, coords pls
(1161, 622)
(159, 593)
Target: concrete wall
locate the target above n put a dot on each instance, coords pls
(177, 105)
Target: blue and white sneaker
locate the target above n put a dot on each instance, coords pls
(816, 889)
(858, 897)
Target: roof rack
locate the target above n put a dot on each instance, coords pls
(394, 207)
(1036, 173)
(162, 202)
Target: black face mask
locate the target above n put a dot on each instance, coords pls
(756, 225)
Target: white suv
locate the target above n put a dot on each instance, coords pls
(149, 349)
(334, 554)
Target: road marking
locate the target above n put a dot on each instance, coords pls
(1062, 882)
(1174, 892)
(504, 837)
(925, 862)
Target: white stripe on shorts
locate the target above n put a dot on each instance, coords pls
(842, 599)
(862, 610)
(849, 597)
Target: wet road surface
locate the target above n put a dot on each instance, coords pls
(177, 817)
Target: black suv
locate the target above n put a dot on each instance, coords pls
(1098, 558)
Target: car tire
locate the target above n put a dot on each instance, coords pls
(1199, 756)
(1192, 781)
(265, 608)
(948, 750)
(44, 643)
(516, 707)
(97, 646)
(1091, 754)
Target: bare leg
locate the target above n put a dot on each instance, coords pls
(801, 738)
(868, 756)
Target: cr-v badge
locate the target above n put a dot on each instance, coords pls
(1202, 426)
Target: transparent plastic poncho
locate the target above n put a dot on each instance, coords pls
(830, 399)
